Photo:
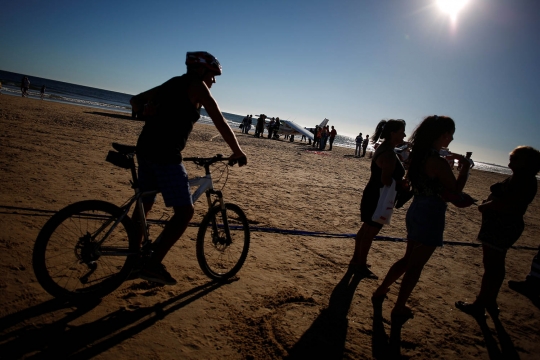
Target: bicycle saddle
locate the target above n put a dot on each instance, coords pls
(124, 149)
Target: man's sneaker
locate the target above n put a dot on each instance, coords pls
(157, 273)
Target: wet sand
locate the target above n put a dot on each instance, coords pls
(292, 298)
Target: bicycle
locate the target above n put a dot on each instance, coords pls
(91, 247)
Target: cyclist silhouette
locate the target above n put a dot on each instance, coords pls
(169, 111)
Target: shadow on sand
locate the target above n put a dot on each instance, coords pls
(507, 349)
(325, 339)
(60, 340)
(113, 115)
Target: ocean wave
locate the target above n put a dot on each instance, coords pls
(67, 99)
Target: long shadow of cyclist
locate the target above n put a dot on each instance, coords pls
(325, 339)
(61, 340)
(116, 116)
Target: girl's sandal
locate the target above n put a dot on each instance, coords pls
(471, 308)
(401, 318)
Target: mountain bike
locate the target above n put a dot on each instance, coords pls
(91, 247)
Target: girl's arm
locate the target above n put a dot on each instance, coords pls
(437, 167)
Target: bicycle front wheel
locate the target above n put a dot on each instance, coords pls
(221, 256)
(84, 251)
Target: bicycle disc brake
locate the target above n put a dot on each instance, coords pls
(86, 251)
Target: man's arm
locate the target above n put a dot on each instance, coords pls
(201, 92)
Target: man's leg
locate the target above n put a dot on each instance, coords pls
(173, 182)
(173, 230)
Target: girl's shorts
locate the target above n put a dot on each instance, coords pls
(425, 220)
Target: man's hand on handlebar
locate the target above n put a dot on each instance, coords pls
(239, 158)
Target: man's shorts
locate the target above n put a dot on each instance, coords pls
(170, 179)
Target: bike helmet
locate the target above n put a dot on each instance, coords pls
(205, 59)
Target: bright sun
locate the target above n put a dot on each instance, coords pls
(451, 7)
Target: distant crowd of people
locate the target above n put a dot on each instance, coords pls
(322, 135)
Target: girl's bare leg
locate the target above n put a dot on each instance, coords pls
(419, 256)
(494, 272)
(363, 241)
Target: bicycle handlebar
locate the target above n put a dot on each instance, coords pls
(209, 161)
(131, 150)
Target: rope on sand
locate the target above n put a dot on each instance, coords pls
(29, 211)
(378, 238)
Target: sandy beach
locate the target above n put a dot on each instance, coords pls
(292, 298)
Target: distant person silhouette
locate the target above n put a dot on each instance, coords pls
(333, 134)
(365, 144)
(358, 142)
(42, 92)
(25, 85)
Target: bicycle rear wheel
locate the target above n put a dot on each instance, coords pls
(81, 252)
(221, 257)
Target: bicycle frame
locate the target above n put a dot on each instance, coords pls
(204, 184)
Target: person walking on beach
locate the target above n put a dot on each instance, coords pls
(243, 123)
(430, 176)
(365, 144)
(324, 138)
(259, 128)
(317, 136)
(385, 167)
(271, 127)
(25, 85)
(42, 92)
(502, 225)
(358, 142)
(333, 134)
(277, 124)
(247, 124)
(171, 110)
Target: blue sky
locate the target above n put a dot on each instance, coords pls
(354, 62)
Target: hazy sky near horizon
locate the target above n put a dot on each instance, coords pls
(354, 62)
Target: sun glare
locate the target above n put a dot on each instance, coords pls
(452, 7)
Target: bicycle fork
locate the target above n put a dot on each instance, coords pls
(223, 210)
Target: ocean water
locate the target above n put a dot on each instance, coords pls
(104, 99)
